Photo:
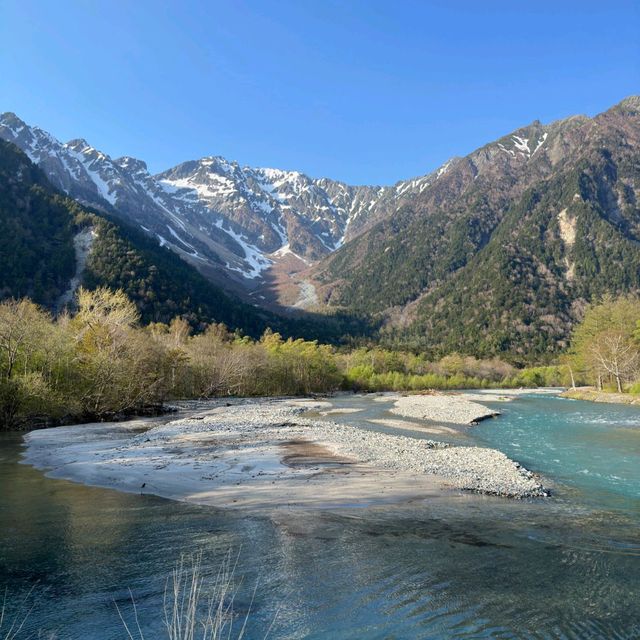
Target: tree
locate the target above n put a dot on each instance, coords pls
(616, 354)
(603, 344)
(22, 325)
(111, 356)
(33, 361)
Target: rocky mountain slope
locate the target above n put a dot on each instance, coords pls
(234, 224)
(230, 222)
(50, 245)
(501, 253)
(496, 252)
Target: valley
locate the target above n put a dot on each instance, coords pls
(319, 320)
(515, 238)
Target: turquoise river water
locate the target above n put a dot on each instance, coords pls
(459, 566)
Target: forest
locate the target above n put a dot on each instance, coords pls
(103, 363)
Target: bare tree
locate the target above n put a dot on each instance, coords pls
(616, 355)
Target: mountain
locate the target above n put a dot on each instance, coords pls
(495, 252)
(501, 253)
(50, 244)
(230, 222)
(241, 227)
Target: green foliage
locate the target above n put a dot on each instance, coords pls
(604, 346)
(102, 363)
(383, 370)
(515, 298)
(34, 361)
(549, 376)
(635, 388)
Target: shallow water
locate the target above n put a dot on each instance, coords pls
(594, 448)
(461, 566)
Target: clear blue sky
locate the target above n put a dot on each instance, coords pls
(363, 91)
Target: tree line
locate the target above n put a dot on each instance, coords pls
(101, 363)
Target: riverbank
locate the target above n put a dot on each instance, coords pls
(353, 567)
(593, 395)
(266, 454)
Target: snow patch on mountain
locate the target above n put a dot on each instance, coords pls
(254, 258)
(541, 142)
(522, 145)
(286, 250)
(105, 189)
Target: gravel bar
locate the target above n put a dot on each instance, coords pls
(442, 408)
(265, 453)
(476, 469)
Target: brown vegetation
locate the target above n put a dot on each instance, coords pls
(102, 363)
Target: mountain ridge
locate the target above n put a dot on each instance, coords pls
(489, 237)
(401, 253)
(232, 222)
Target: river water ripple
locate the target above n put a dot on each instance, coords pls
(460, 566)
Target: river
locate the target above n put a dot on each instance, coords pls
(458, 566)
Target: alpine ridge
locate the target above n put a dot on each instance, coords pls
(495, 252)
(504, 251)
(232, 223)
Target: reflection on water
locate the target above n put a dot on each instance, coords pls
(458, 567)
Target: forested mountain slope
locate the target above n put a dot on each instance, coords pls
(502, 251)
(38, 226)
(36, 232)
(238, 225)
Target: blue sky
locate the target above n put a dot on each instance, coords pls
(362, 91)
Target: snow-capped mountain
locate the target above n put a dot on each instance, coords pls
(278, 211)
(231, 222)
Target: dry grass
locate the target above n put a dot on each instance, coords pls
(195, 611)
(11, 626)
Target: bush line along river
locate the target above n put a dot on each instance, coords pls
(447, 564)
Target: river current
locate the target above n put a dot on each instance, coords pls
(457, 566)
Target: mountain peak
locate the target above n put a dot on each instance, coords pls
(218, 163)
(630, 104)
(131, 164)
(8, 118)
(78, 144)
